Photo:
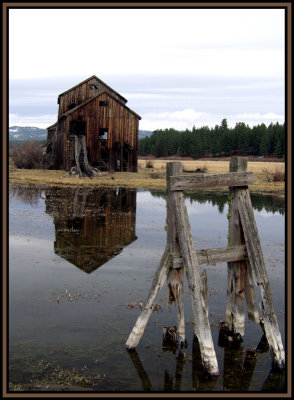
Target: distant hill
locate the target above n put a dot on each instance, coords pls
(25, 133)
(143, 134)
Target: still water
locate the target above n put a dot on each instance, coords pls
(80, 263)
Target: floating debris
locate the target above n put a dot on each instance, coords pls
(131, 305)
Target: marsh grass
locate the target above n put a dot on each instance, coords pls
(143, 179)
(53, 374)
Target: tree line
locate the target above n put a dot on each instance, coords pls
(220, 141)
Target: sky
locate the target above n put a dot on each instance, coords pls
(178, 68)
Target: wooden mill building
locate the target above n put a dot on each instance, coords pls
(95, 110)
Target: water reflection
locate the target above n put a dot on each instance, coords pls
(91, 226)
(31, 194)
(238, 372)
(28, 194)
(270, 204)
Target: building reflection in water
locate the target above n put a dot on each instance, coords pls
(91, 225)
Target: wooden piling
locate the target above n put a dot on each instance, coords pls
(175, 274)
(235, 313)
(256, 260)
(201, 323)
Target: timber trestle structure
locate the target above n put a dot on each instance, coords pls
(244, 257)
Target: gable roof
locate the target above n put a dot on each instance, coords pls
(85, 81)
(94, 97)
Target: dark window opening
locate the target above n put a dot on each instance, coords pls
(103, 103)
(74, 225)
(94, 87)
(103, 133)
(71, 106)
(77, 127)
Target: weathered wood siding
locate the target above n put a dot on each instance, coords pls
(122, 126)
(82, 93)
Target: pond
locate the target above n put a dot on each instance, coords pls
(80, 263)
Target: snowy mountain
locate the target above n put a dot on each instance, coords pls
(32, 133)
(26, 133)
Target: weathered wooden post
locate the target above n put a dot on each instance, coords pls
(235, 314)
(256, 260)
(190, 261)
(175, 274)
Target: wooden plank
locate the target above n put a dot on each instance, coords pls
(256, 259)
(158, 281)
(214, 256)
(201, 327)
(190, 182)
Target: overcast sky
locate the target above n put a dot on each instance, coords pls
(176, 67)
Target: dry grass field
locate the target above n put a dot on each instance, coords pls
(268, 176)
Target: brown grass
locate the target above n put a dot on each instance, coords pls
(154, 178)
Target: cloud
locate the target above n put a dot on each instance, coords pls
(40, 121)
(187, 118)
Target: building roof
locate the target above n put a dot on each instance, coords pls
(94, 97)
(85, 81)
(52, 126)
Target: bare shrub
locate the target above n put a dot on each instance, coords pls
(28, 155)
(277, 175)
(149, 164)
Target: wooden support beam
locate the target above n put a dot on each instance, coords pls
(191, 182)
(256, 260)
(158, 281)
(201, 327)
(215, 256)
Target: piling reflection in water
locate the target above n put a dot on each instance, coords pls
(91, 226)
(239, 366)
